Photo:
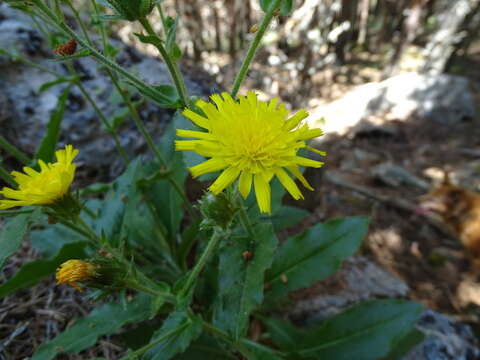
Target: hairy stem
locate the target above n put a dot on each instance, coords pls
(172, 66)
(254, 47)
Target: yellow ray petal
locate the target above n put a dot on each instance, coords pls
(227, 177)
(288, 183)
(295, 119)
(297, 173)
(194, 134)
(208, 166)
(245, 183)
(262, 193)
(196, 119)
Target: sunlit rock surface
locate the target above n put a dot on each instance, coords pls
(446, 99)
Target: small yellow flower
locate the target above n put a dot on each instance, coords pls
(250, 139)
(45, 187)
(72, 271)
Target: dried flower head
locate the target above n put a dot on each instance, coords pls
(43, 187)
(72, 271)
(251, 140)
(66, 49)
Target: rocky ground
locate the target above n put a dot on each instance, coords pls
(387, 143)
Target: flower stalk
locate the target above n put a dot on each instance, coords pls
(252, 50)
(172, 66)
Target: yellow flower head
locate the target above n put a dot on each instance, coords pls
(250, 139)
(44, 187)
(72, 271)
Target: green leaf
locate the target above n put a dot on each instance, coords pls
(31, 273)
(79, 54)
(365, 332)
(285, 6)
(370, 330)
(405, 344)
(57, 81)
(111, 217)
(314, 254)
(171, 46)
(48, 146)
(162, 194)
(84, 333)
(240, 281)
(12, 234)
(205, 347)
(288, 216)
(51, 240)
(178, 343)
(283, 333)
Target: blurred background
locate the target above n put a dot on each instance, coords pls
(395, 85)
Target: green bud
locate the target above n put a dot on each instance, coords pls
(217, 210)
(131, 10)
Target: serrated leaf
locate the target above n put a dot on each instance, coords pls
(314, 254)
(367, 331)
(190, 328)
(240, 283)
(12, 234)
(288, 216)
(84, 333)
(110, 220)
(31, 273)
(48, 145)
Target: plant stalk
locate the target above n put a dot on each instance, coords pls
(254, 47)
(172, 66)
(206, 255)
(14, 151)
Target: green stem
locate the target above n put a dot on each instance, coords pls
(245, 220)
(33, 64)
(171, 65)
(163, 18)
(206, 255)
(5, 175)
(67, 31)
(100, 114)
(137, 353)
(76, 228)
(135, 285)
(77, 17)
(12, 149)
(254, 46)
(14, 212)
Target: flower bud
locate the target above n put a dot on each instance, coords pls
(217, 210)
(73, 271)
(102, 272)
(132, 10)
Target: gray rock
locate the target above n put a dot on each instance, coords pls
(360, 279)
(446, 339)
(444, 98)
(394, 175)
(25, 110)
